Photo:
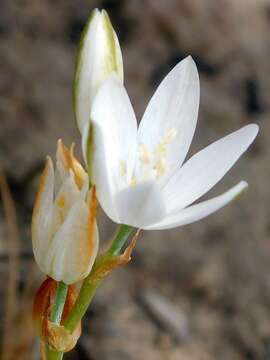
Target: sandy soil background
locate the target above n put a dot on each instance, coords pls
(200, 292)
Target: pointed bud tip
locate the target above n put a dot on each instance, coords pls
(254, 128)
(242, 186)
(99, 55)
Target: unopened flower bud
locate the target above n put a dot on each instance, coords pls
(64, 231)
(99, 55)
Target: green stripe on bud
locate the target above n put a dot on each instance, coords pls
(99, 55)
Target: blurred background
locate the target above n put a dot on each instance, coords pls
(199, 292)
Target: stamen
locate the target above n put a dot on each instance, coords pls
(144, 154)
(153, 163)
(161, 148)
(170, 136)
(161, 167)
(133, 182)
(123, 168)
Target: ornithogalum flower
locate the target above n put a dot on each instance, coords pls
(64, 231)
(139, 173)
(99, 55)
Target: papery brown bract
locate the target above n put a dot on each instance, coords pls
(56, 336)
(108, 262)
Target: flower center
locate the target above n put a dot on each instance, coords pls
(151, 164)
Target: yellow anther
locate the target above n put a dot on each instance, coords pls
(170, 136)
(154, 162)
(161, 149)
(144, 154)
(161, 166)
(133, 182)
(123, 168)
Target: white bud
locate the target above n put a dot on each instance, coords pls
(99, 55)
(64, 230)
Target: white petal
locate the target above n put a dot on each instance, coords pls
(99, 55)
(140, 205)
(65, 199)
(86, 142)
(73, 250)
(173, 109)
(42, 214)
(199, 211)
(112, 145)
(60, 176)
(200, 173)
(62, 165)
(69, 191)
(119, 68)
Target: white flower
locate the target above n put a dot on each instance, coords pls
(139, 174)
(99, 55)
(64, 232)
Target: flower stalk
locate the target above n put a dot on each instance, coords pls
(90, 285)
(120, 240)
(56, 314)
(59, 302)
(84, 300)
(88, 289)
(53, 354)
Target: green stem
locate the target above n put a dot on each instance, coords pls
(121, 238)
(84, 299)
(53, 355)
(89, 287)
(56, 315)
(59, 303)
